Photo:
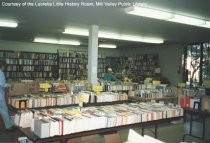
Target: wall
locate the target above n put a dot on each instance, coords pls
(170, 57)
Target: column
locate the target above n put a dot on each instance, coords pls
(93, 54)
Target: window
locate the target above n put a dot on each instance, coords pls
(197, 62)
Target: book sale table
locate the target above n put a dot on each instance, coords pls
(61, 124)
(64, 138)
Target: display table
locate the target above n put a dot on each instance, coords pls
(202, 115)
(26, 131)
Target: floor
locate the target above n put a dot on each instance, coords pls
(169, 133)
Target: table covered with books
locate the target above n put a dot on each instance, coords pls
(60, 124)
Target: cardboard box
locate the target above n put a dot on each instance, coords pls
(75, 140)
(112, 138)
(32, 87)
(17, 89)
(21, 88)
(91, 137)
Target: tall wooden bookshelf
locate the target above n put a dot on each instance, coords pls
(72, 65)
(30, 65)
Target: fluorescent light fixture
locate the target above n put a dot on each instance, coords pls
(131, 38)
(146, 12)
(112, 35)
(76, 31)
(107, 46)
(109, 35)
(187, 20)
(69, 42)
(167, 16)
(55, 41)
(207, 25)
(152, 40)
(45, 40)
(8, 23)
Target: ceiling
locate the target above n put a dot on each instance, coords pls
(52, 21)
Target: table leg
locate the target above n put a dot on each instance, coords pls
(184, 116)
(156, 127)
(190, 123)
(204, 123)
(142, 130)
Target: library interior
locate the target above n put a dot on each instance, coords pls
(107, 71)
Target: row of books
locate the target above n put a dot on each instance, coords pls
(191, 92)
(144, 63)
(73, 54)
(144, 73)
(5, 54)
(26, 55)
(75, 72)
(119, 86)
(47, 100)
(110, 97)
(72, 60)
(31, 62)
(72, 66)
(30, 74)
(102, 60)
(152, 93)
(62, 121)
(37, 62)
(145, 67)
(101, 70)
(30, 68)
(90, 97)
(101, 66)
(38, 56)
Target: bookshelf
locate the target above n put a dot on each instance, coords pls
(101, 67)
(29, 65)
(141, 65)
(145, 65)
(72, 65)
